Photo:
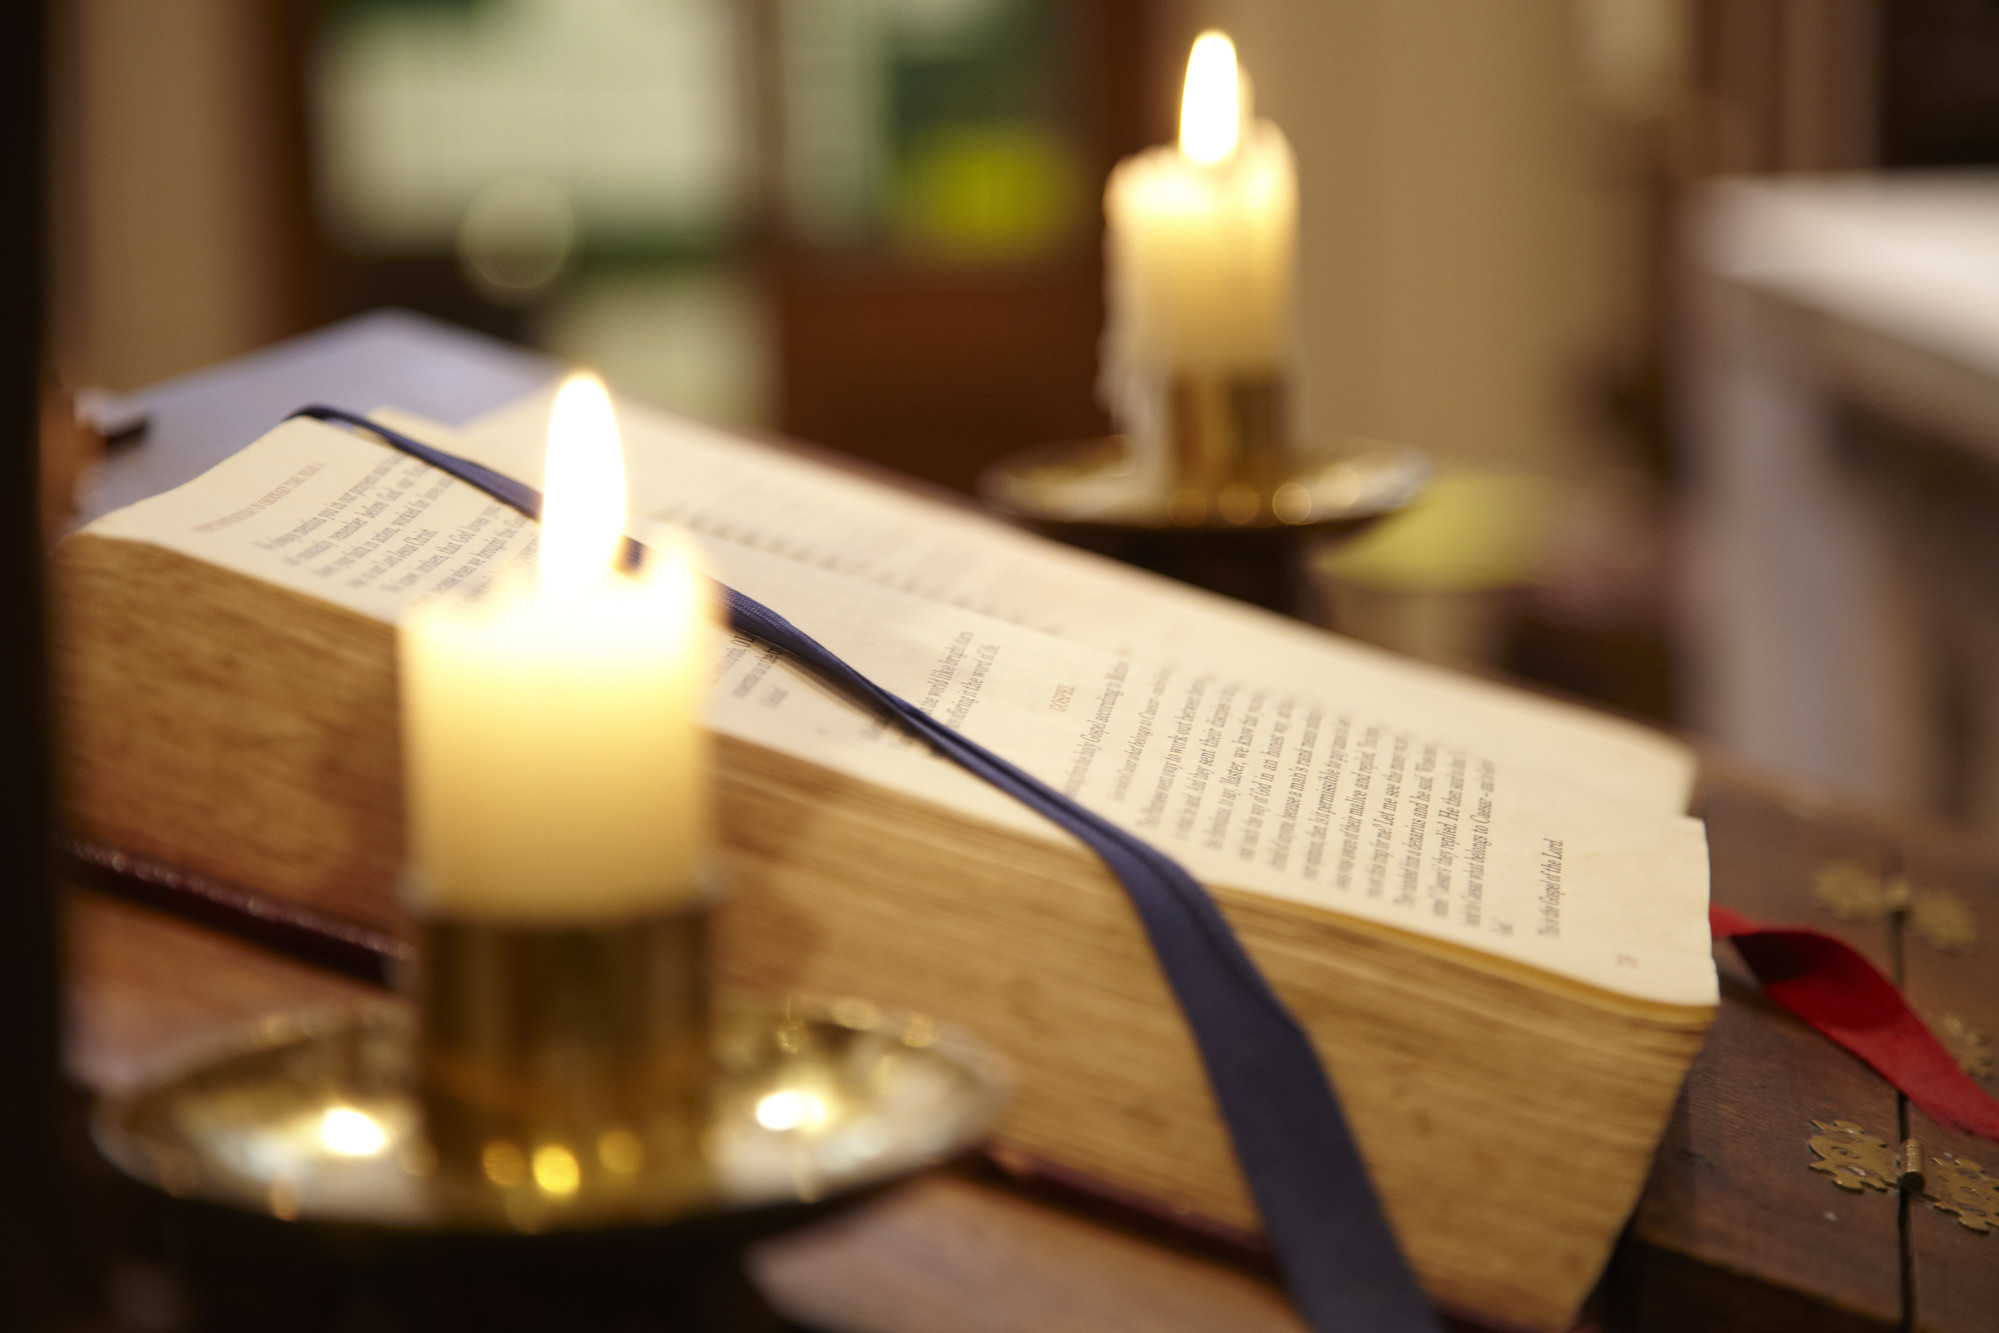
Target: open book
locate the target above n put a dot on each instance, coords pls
(1487, 908)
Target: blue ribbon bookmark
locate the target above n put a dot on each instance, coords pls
(1319, 1209)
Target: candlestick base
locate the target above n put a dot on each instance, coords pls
(1098, 483)
(1247, 536)
(1224, 431)
(320, 1119)
(564, 1069)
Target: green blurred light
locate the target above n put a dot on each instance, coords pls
(998, 191)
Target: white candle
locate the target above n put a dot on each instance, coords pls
(553, 752)
(1201, 242)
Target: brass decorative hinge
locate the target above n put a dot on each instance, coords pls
(1968, 1046)
(1852, 892)
(1855, 1160)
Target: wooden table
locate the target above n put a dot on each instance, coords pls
(1734, 1231)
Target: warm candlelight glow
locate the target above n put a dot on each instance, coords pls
(347, 1132)
(1201, 242)
(556, 764)
(583, 486)
(556, 1170)
(1211, 102)
(788, 1109)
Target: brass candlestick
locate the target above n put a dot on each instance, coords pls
(1217, 492)
(306, 1136)
(566, 1069)
(552, 1081)
(1227, 447)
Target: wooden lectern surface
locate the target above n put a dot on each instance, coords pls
(1735, 1231)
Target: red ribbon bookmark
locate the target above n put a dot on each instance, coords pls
(1835, 989)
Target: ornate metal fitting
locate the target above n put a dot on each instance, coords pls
(1852, 892)
(1959, 1185)
(1968, 1046)
(1909, 1173)
(1943, 921)
(1852, 1158)
(1855, 1160)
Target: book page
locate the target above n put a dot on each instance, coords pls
(336, 515)
(742, 493)
(1249, 783)
(1306, 791)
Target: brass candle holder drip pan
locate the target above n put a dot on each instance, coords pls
(1229, 466)
(321, 1119)
(1227, 500)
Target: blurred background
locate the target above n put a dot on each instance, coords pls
(1694, 302)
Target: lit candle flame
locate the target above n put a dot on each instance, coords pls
(583, 486)
(1211, 102)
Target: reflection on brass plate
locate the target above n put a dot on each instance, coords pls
(1852, 892)
(1968, 1046)
(1855, 1160)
